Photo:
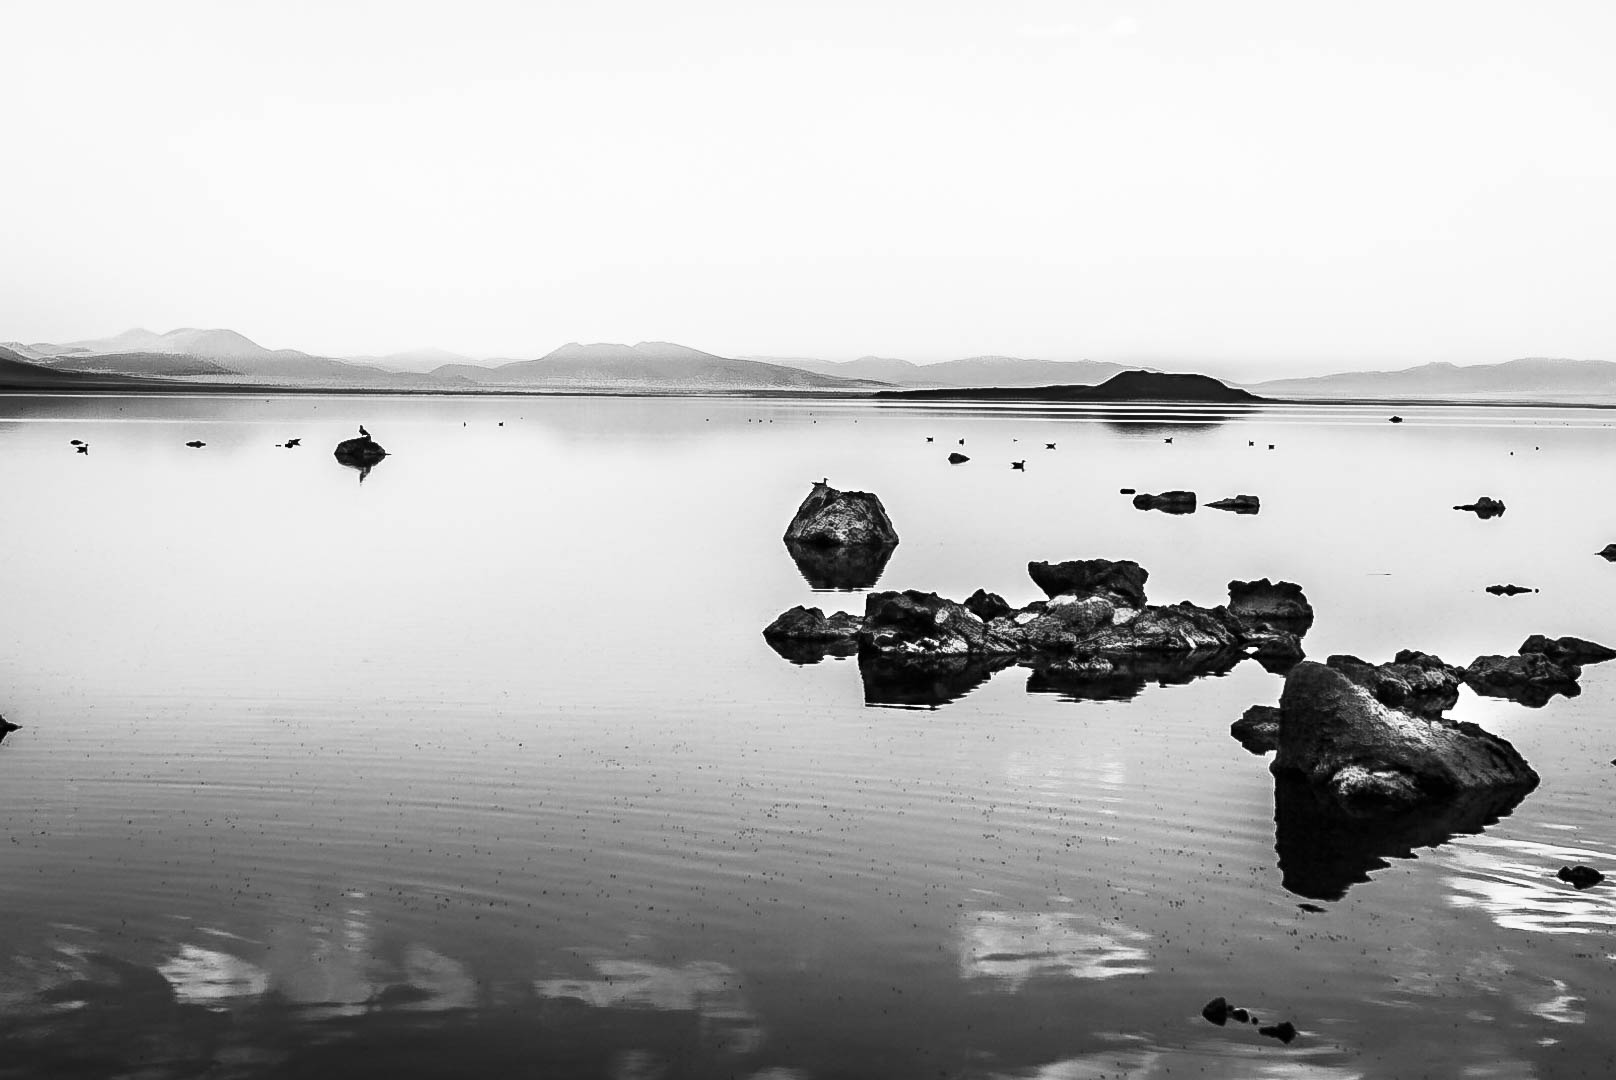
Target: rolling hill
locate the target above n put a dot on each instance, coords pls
(1127, 386)
(649, 365)
(1534, 378)
(973, 371)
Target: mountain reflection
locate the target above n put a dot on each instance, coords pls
(1323, 852)
(841, 569)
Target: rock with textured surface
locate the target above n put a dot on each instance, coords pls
(1168, 502)
(1576, 650)
(1528, 678)
(810, 624)
(1121, 581)
(916, 623)
(988, 606)
(1416, 682)
(832, 518)
(1239, 504)
(1258, 729)
(1371, 758)
(1274, 602)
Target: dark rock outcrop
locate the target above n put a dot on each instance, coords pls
(1484, 507)
(987, 606)
(1372, 758)
(1528, 678)
(1122, 581)
(843, 569)
(1508, 590)
(957, 458)
(1581, 877)
(360, 453)
(1168, 502)
(1257, 729)
(1608, 553)
(832, 518)
(1279, 603)
(1576, 650)
(6, 728)
(1414, 681)
(810, 624)
(1240, 504)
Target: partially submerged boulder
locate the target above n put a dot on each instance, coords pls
(1575, 649)
(1528, 678)
(832, 518)
(360, 453)
(1258, 729)
(1372, 758)
(1509, 590)
(6, 728)
(957, 458)
(1168, 502)
(1239, 504)
(810, 624)
(1281, 602)
(1608, 553)
(1484, 507)
(925, 624)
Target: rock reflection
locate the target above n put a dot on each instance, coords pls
(1323, 851)
(924, 683)
(842, 568)
(1011, 947)
(710, 990)
(208, 977)
(804, 653)
(1125, 678)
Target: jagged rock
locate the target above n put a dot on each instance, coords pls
(1169, 502)
(1529, 678)
(6, 728)
(987, 606)
(1216, 1011)
(360, 453)
(1240, 504)
(1508, 590)
(917, 623)
(1174, 628)
(957, 458)
(1576, 650)
(1372, 758)
(1414, 681)
(1582, 877)
(832, 518)
(1121, 581)
(810, 624)
(1274, 603)
(1484, 507)
(1258, 729)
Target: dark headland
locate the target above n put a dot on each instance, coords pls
(1127, 386)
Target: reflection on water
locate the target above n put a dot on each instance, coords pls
(710, 990)
(1323, 851)
(1012, 947)
(1514, 882)
(927, 683)
(840, 568)
(1127, 677)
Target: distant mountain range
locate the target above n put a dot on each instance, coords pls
(1127, 386)
(1534, 378)
(650, 365)
(973, 371)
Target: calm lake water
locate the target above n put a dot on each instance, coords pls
(482, 767)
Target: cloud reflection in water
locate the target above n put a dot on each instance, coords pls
(1011, 947)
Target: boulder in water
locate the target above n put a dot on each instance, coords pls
(1484, 507)
(1121, 580)
(832, 518)
(359, 453)
(1239, 504)
(1168, 502)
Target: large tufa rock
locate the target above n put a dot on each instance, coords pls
(830, 518)
(360, 453)
(1415, 682)
(1371, 758)
(1528, 678)
(924, 624)
(810, 624)
(1121, 581)
(1576, 650)
(1239, 504)
(1275, 603)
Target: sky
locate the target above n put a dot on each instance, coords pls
(1251, 188)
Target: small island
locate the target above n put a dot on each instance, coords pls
(1126, 386)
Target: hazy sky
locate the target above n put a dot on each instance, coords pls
(1260, 187)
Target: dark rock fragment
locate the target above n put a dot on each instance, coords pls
(1484, 507)
(1240, 504)
(360, 453)
(810, 624)
(1130, 491)
(1508, 590)
(1608, 553)
(1216, 1011)
(1121, 580)
(1168, 502)
(1284, 1031)
(1529, 678)
(6, 728)
(1258, 729)
(1581, 877)
(1395, 420)
(957, 458)
(1575, 649)
(987, 606)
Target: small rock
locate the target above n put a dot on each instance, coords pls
(810, 624)
(832, 518)
(1168, 502)
(1284, 1031)
(1395, 420)
(1239, 1015)
(1258, 729)
(1130, 491)
(196, 444)
(1575, 649)
(1240, 504)
(1508, 590)
(1484, 507)
(987, 606)
(957, 458)
(1216, 1011)
(1608, 553)
(1581, 877)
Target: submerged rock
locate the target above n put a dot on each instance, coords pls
(1168, 502)
(360, 453)
(1284, 1031)
(832, 518)
(1240, 504)
(844, 568)
(1484, 507)
(1371, 757)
